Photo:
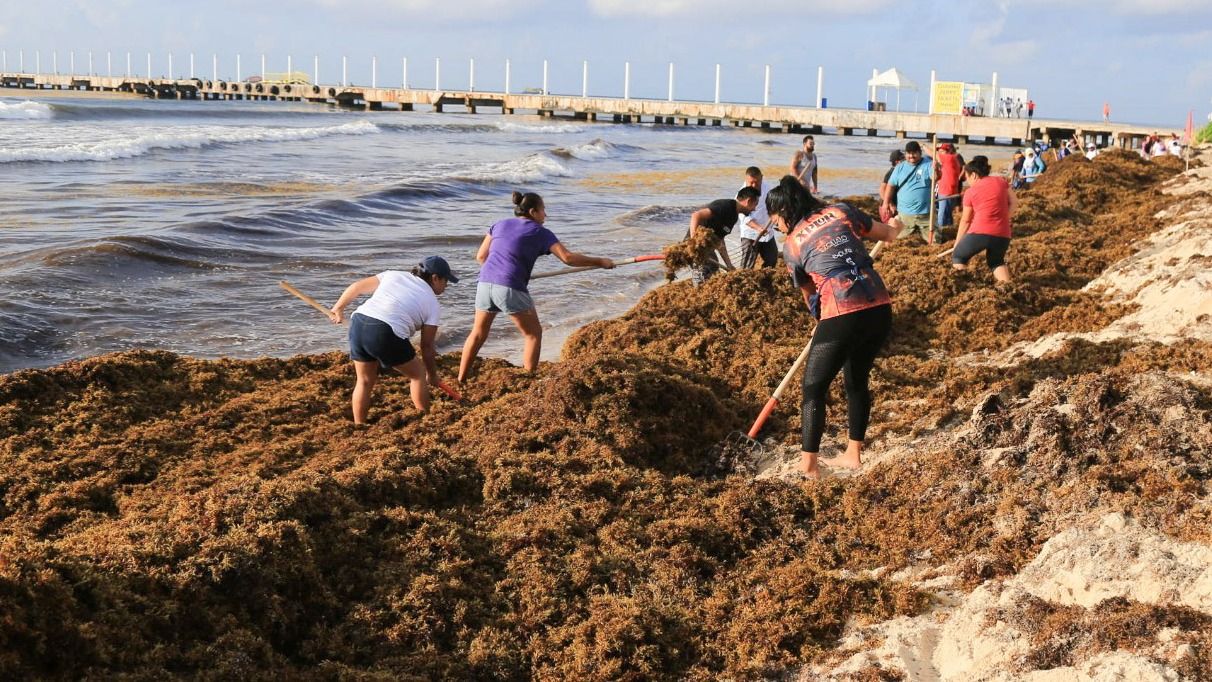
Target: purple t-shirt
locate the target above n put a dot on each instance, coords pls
(516, 244)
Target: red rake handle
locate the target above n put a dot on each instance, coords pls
(445, 387)
(583, 268)
(763, 416)
(778, 392)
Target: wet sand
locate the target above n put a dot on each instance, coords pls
(1021, 511)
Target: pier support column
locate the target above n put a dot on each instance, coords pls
(717, 123)
(406, 106)
(846, 131)
(765, 125)
(1016, 142)
(989, 139)
(437, 107)
(592, 116)
(684, 121)
(961, 139)
(787, 127)
(618, 118)
(471, 108)
(871, 132)
(900, 134)
(580, 116)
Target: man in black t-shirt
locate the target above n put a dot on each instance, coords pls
(720, 216)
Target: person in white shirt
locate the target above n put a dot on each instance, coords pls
(1176, 147)
(757, 239)
(401, 303)
(1091, 151)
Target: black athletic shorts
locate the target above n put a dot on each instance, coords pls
(995, 249)
(372, 340)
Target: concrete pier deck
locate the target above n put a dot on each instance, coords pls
(790, 119)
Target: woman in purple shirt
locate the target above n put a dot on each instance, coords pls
(507, 256)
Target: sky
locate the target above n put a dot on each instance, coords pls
(1151, 60)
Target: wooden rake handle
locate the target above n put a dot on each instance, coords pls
(304, 297)
(778, 392)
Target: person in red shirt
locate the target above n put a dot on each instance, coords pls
(825, 254)
(1030, 108)
(985, 223)
(948, 172)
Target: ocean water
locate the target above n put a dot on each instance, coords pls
(133, 223)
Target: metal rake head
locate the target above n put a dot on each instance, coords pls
(737, 453)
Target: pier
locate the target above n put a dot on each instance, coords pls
(788, 119)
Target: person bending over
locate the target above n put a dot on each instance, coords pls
(985, 222)
(400, 304)
(757, 239)
(828, 262)
(720, 216)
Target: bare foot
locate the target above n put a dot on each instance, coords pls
(808, 467)
(843, 461)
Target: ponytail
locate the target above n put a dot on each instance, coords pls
(421, 272)
(525, 204)
(791, 201)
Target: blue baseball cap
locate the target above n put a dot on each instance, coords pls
(437, 265)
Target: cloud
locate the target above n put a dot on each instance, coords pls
(1131, 7)
(1158, 7)
(669, 8)
(985, 32)
(470, 10)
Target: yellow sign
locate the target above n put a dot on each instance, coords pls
(948, 97)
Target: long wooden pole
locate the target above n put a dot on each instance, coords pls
(933, 170)
(583, 268)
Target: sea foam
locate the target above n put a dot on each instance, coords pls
(25, 111)
(529, 169)
(541, 128)
(147, 140)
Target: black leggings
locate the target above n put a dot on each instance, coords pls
(848, 342)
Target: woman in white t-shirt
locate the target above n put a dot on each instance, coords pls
(401, 303)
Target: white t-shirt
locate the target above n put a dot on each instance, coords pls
(759, 216)
(1176, 147)
(404, 301)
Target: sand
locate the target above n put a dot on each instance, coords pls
(1020, 516)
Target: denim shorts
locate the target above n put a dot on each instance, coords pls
(372, 340)
(497, 298)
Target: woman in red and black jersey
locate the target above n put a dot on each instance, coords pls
(828, 262)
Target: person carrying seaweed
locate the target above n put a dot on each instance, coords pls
(719, 217)
(825, 255)
(507, 256)
(400, 304)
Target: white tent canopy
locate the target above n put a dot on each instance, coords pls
(896, 79)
